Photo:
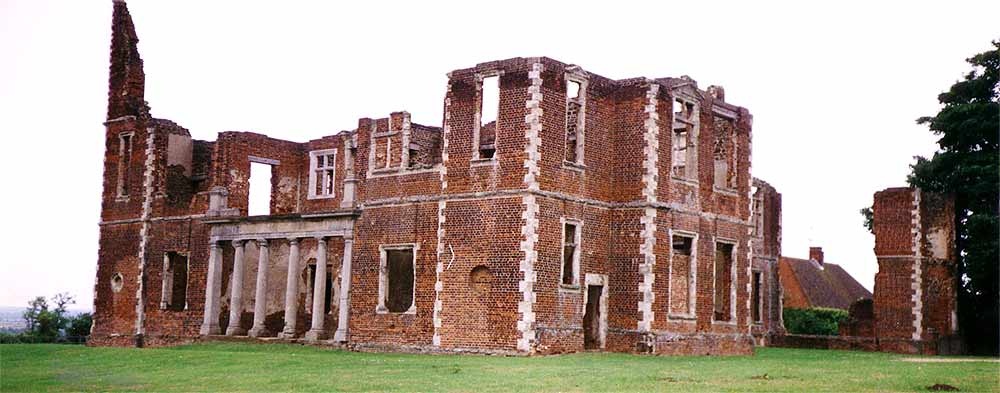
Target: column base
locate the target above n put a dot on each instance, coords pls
(315, 335)
(287, 333)
(210, 330)
(258, 331)
(340, 336)
(235, 331)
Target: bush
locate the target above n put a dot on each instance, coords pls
(79, 326)
(10, 338)
(816, 321)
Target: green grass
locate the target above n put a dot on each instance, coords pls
(278, 367)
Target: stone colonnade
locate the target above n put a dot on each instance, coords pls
(316, 331)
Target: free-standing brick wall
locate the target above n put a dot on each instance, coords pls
(914, 299)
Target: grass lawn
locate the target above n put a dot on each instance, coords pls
(280, 367)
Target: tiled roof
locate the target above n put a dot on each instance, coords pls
(827, 286)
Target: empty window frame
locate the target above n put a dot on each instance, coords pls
(382, 151)
(328, 290)
(175, 278)
(484, 142)
(683, 272)
(724, 152)
(684, 157)
(756, 302)
(758, 214)
(259, 200)
(124, 163)
(570, 272)
(576, 108)
(724, 276)
(397, 279)
(322, 174)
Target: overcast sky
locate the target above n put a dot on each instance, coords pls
(834, 89)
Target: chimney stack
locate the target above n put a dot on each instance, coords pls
(816, 254)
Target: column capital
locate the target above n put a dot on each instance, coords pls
(239, 242)
(213, 243)
(293, 240)
(321, 238)
(262, 243)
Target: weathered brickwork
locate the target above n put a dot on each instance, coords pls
(915, 287)
(766, 236)
(530, 234)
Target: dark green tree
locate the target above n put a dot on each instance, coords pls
(967, 165)
(79, 327)
(45, 324)
(36, 307)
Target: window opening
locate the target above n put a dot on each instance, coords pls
(723, 281)
(260, 189)
(570, 254)
(399, 297)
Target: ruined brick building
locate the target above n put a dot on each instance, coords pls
(554, 210)
(914, 306)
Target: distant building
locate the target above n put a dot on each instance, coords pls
(815, 283)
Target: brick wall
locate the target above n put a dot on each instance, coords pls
(914, 299)
(487, 232)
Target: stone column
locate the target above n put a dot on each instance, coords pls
(260, 298)
(291, 289)
(236, 291)
(212, 288)
(316, 332)
(345, 290)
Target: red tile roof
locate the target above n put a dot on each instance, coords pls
(827, 286)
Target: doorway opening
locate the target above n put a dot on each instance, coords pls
(592, 318)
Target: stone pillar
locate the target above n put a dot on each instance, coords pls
(316, 332)
(212, 288)
(236, 291)
(345, 291)
(291, 289)
(260, 298)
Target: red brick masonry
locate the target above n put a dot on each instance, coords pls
(659, 194)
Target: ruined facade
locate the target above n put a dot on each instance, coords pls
(766, 285)
(914, 306)
(567, 212)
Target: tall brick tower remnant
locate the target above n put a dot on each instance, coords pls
(915, 288)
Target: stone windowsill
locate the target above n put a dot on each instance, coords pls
(688, 181)
(383, 310)
(313, 196)
(574, 166)
(483, 161)
(725, 191)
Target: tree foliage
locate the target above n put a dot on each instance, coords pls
(869, 216)
(48, 321)
(968, 166)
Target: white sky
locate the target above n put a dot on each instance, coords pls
(834, 89)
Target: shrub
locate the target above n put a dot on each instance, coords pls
(816, 321)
